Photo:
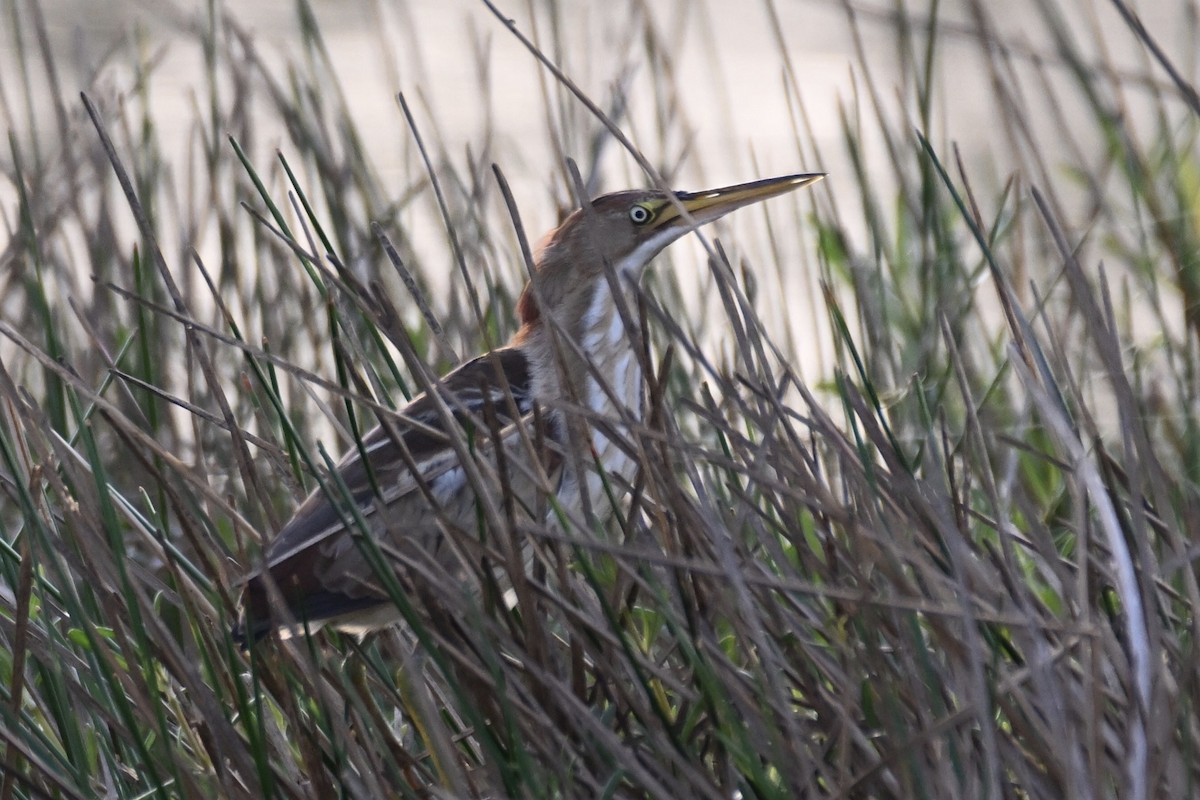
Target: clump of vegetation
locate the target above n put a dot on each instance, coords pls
(958, 563)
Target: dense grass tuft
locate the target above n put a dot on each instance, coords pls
(956, 563)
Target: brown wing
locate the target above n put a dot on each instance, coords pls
(321, 572)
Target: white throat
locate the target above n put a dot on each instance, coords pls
(608, 347)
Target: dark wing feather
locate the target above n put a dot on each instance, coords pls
(306, 560)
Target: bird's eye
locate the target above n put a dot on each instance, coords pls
(640, 215)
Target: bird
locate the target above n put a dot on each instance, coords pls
(406, 486)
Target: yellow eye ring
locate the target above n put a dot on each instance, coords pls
(640, 215)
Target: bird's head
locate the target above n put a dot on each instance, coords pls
(626, 230)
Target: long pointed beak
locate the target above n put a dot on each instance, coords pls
(704, 207)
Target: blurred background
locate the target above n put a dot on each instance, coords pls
(712, 92)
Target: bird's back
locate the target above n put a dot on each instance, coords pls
(407, 489)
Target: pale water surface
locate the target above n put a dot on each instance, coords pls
(729, 60)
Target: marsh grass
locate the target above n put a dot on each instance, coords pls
(957, 565)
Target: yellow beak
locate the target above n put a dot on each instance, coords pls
(706, 206)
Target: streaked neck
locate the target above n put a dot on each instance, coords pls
(601, 338)
(608, 346)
